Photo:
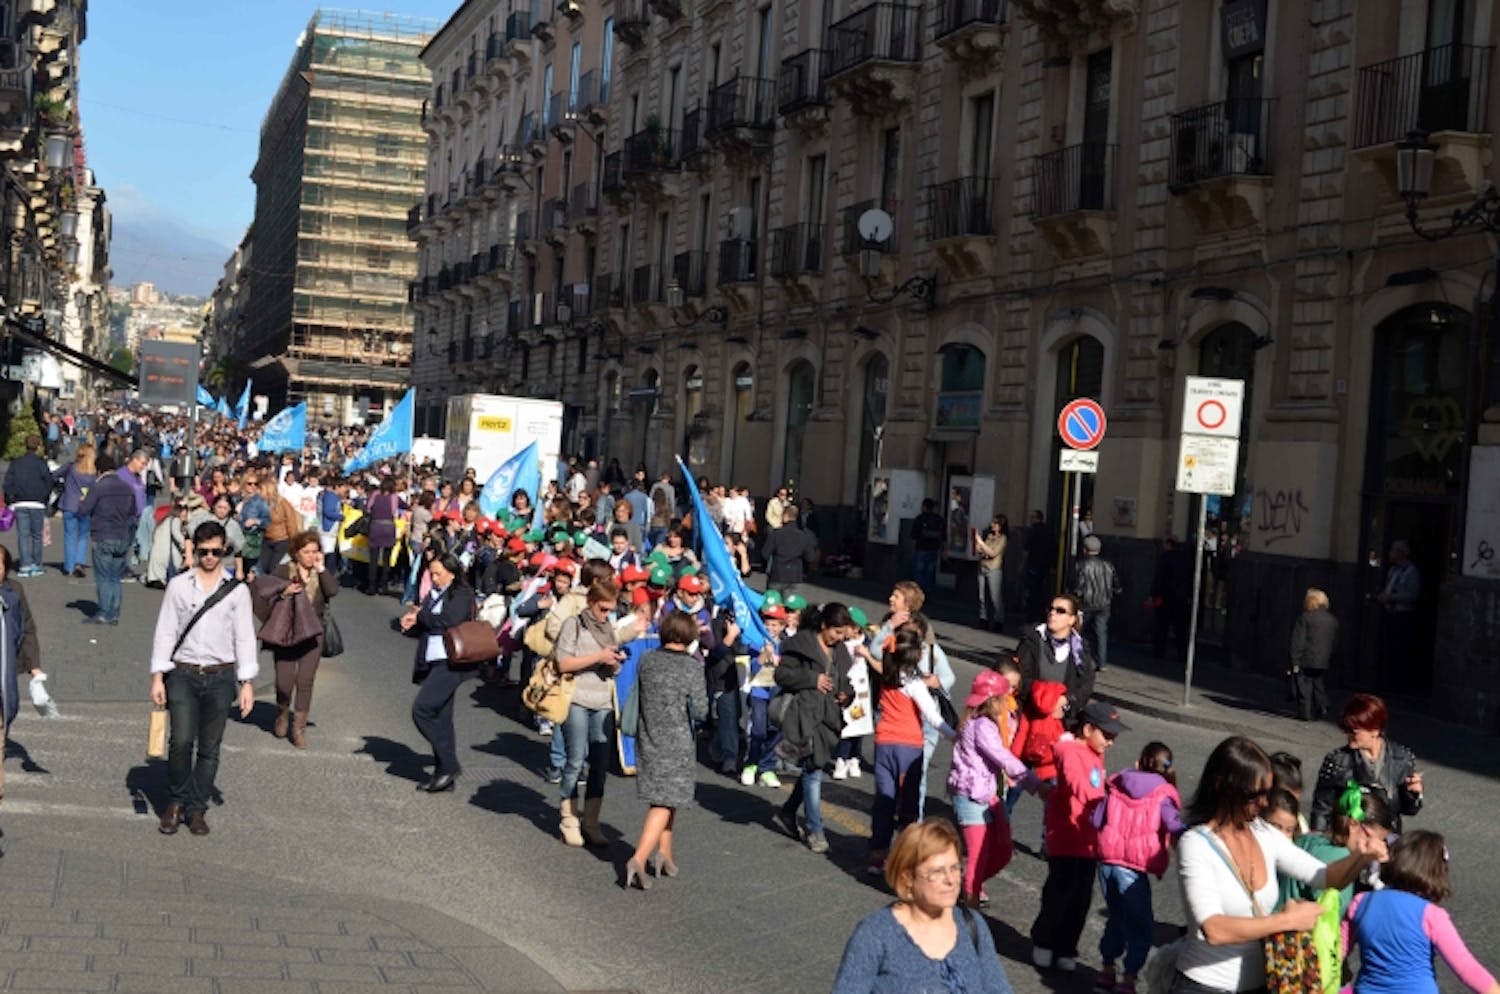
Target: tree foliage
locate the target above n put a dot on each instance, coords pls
(21, 425)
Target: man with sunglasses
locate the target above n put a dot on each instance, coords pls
(203, 659)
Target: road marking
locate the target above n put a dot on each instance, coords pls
(54, 808)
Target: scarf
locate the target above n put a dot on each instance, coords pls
(603, 632)
(1074, 642)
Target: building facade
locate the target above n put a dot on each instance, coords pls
(341, 159)
(838, 240)
(507, 229)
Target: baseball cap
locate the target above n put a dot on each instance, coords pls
(1105, 718)
(795, 602)
(775, 611)
(859, 617)
(633, 574)
(660, 576)
(690, 583)
(517, 544)
(986, 685)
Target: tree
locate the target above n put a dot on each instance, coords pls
(21, 425)
(122, 359)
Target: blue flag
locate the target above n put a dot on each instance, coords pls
(392, 437)
(522, 471)
(242, 409)
(724, 580)
(223, 409)
(287, 431)
(204, 397)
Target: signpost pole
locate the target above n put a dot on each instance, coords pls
(1077, 485)
(1192, 639)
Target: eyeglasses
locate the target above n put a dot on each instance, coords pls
(937, 873)
(1257, 795)
(1059, 610)
(217, 553)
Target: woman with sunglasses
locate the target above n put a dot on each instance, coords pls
(1055, 651)
(1228, 862)
(1369, 759)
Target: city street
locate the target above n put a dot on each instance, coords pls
(325, 871)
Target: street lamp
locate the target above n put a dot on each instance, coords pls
(58, 145)
(1415, 158)
(67, 225)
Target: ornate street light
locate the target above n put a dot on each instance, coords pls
(58, 145)
(1415, 158)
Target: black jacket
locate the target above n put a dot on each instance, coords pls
(28, 478)
(1313, 638)
(1078, 675)
(457, 607)
(1387, 776)
(813, 721)
(790, 551)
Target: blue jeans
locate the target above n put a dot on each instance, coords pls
(29, 536)
(198, 706)
(589, 735)
(75, 540)
(1096, 635)
(726, 725)
(761, 750)
(557, 755)
(898, 775)
(808, 792)
(967, 811)
(924, 569)
(140, 551)
(991, 596)
(1130, 926)
(110, 558)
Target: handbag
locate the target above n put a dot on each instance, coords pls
(946, 709)
(549, 692)
(470, 643)
(7, 519)
(333, 639)
(156, 734)
(1292, 965)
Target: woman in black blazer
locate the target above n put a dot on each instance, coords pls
(449, 604)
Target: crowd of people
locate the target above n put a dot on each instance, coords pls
(597, 597)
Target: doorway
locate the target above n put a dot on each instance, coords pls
(801, 380)
(1414, 462)
(1080, 373)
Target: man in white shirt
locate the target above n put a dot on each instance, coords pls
(200, 668)
(578, 484)
(737, 511)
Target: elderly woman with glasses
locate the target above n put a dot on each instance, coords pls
(1055, 651)
(924, 941)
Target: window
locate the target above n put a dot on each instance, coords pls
(711, 67)
(817, 168)
(981, 134)
(767, 44)
(606, 59)
(546, 95)
(575, 60)
(890, 167)
(674, 97)
(705, 220)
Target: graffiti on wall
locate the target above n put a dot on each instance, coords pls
(1279, 514)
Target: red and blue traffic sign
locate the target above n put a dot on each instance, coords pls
(1081, 424)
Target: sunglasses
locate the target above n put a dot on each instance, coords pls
(217, 553)
(1059, 610)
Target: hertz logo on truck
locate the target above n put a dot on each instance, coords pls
(493, 422)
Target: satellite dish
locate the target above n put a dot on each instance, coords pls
(875, 225)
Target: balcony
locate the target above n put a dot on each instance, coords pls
(802, 91)
(578, 300)
(1220, 165)
(555, 217)
(740, 114)
(541, 25)
(532, 133)
(517, 317)
(1442, 91)
(646, 287)
(737, 260)
(1077, 19)
(798, 249)
(557, 119)
(669, 10)
(413, 220)
(873, 56)
(695, 147)
(583, 209)
(518, 36)
(648, 155)
(690, 271)
(498, 266)
(632, 20)
(1075, 199)
(972, 33)
(523, 234)
(612, 183)
(965, 224)
(609, 291)
(494, 55)
(587, 103)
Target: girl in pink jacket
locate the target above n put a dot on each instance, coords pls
(980, 765)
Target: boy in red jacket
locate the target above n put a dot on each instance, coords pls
(1072, 839)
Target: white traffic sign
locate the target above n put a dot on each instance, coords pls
(1075, 461)
(1208, 465)
(1213, 407)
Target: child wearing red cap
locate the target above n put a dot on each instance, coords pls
(760, 754)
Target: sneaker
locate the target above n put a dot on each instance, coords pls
(1041, 957)
(817, 844)
(840, 769)
(747, 776)
(854, 771)
(1067, 964)
(770, 779)
(544, 727)
(787, 822)
(552, 775)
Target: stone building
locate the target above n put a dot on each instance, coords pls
(839, 240)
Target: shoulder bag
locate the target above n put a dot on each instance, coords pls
(1292, 965)
(549, 692)
(470, 643)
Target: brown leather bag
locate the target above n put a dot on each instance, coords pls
(470, 643)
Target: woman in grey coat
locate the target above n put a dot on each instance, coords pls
(1313, 638)
(670, 695)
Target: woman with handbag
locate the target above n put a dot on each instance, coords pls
(385, 507)
(297, 665)
(449, 605)
(1228, 861)
(670, 696)
(587, 649)
(76, 480)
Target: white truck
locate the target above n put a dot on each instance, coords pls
(485, 429)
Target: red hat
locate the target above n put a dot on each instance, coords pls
(482, 526)
(516, 544)
(774, 611)
(634, 574)
(639, 596)
(690, 583)
(563, 565)
(537, 560)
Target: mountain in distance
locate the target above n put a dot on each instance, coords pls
(151, 245)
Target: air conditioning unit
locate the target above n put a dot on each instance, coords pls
(741, 222)
(10, 56)
(564, 314)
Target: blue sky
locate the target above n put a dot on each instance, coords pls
(173, 92)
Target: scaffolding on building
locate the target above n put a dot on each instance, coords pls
(342, 159)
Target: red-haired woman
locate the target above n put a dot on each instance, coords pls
(1370, 760)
